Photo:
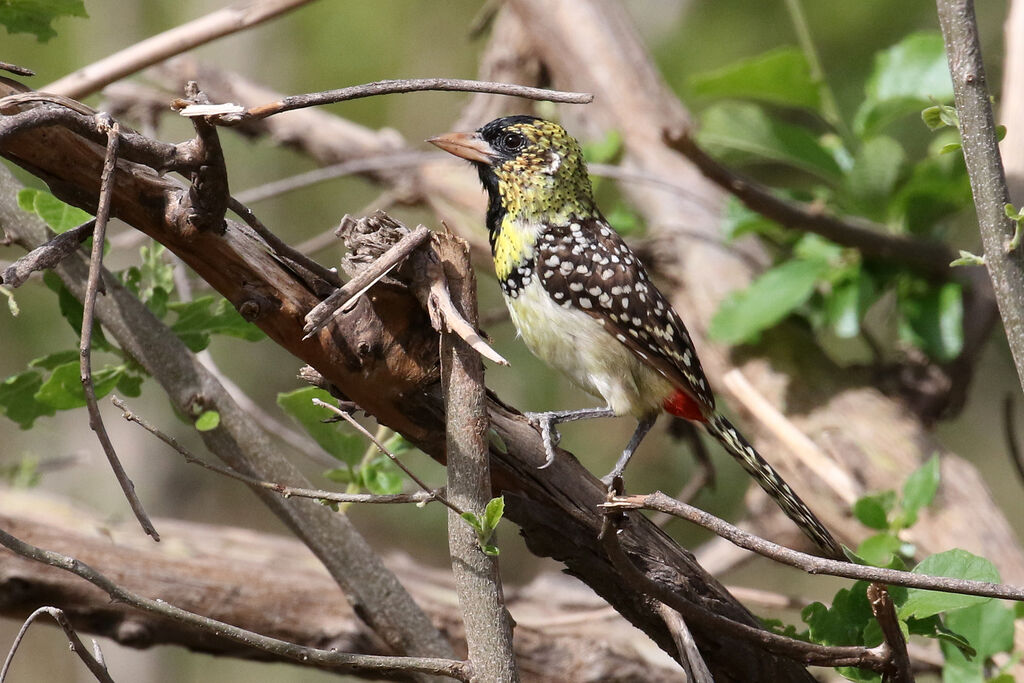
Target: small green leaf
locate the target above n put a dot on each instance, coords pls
(919, 489)
(207, 315)
(872, 511)
(381, 477)
(932, 318)
(844, 622)
(876, 169)
(879, 550)
(59, 216)
(954, 563)
(906, 78)
(343, 475)
(12, 303)
(773, 296)
(72, 310)
(207, 421)
(333, 438)
(781, 76)
(130, 385)
(740, 132)
(63, 389)
(37, 16)
(17, 398)
(967, 259)
(940, 116)
(473, 521)
(493, 512)
(490, 549)
(398, 444)
(849, 300)
(49, 362)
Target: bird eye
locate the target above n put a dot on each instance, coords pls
(513, 141)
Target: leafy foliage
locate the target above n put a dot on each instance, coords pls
(53, 382)
(970, 628)
(485, 524)
(770, 113)
(36, 16)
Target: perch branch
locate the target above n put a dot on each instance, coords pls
(93, 663)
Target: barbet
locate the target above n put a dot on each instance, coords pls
(584, 304)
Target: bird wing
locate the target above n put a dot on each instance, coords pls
(587, 266)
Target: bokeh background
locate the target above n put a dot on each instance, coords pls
(334, 44)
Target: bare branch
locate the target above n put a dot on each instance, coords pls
(478, 583)
(220, 23)
(93, 663)
(85, 346)
(884, 610)
(812, 564)
(388, 87)
(48, 255)
(418, 497)
(870, 239)
(324, 659)
(694, 665)
(985, 168)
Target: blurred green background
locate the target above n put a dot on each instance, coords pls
(334, 44)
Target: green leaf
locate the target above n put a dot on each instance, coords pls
(773, 296)
(63, 389)
(989, 629)
(967, 259)
(72, 310)
(876, 168)
(59, 216)
(932, 318)
(879, 550)
(382, 477)
(494, 511)
(738, 221)
(872, 511)
(398, 444)
(202, 317)
(919, 489)
(473, 521)
(844, 622)
(36, 16)
(347, 448)
(781, 77)
(17, 398)
(49, 362)
(343, 475)
(740, 132)
(848, 301)
(906, 78)
(954, 563)
(940, 116)
(153, 280)
(208, 421)
(130, 385)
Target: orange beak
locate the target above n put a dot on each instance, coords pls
(469, 146)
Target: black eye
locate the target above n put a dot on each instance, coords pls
(513, 141)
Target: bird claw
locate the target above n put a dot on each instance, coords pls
(545, 424)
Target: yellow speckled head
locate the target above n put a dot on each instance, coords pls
(532, 169)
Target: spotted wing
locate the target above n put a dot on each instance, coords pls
(587, 266)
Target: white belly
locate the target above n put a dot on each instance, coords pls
(577, 344)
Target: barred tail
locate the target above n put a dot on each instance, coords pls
(773, 484)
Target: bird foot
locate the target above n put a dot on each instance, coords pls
(545, 424)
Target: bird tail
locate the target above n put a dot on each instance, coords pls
(773, 484)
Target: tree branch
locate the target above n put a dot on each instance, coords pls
(94, 664)
(984, 166)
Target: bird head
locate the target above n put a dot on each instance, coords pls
(532, 169)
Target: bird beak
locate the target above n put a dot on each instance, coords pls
(466, 145)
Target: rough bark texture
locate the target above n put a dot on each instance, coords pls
(275, 586)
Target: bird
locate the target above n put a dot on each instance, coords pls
(584, 304)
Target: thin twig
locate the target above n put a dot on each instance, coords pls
(812, 564)
(884, 610)
(279, 246)
(85, 345)
(93, 663)
(322, 313)
(980, 147)
(180, 39)
(808, 653)
(869, 238)
(388, 87)
(694, 665)
(383, 162)
(383, 449)
(47, 255)
(323, 659)
(1010, 423)
(418, 497)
